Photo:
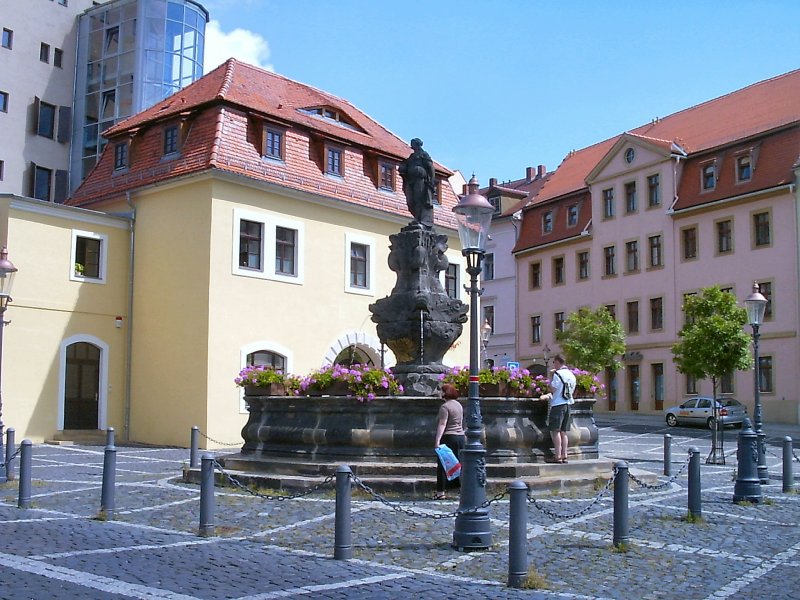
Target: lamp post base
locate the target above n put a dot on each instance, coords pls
(473, 529)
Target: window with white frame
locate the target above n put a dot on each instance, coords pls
(451, 279)
(89, 257)
(488, 266)
(359, 264)
(268, 246)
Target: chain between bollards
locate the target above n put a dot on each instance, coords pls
(25, 461)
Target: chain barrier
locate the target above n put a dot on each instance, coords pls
(12, 457)
(423, 515)
(238, 484)
(659, 486)
(213, 441)
(556, 515)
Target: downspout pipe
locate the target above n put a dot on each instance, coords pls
(126, 417)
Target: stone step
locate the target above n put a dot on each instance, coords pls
(408, 482)
(84, 437)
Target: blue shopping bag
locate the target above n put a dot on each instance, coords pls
(450, 464)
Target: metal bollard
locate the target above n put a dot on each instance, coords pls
(10, 449)
(748, 486)
(621, 536)
(110, 436)
(695, 504)
(668, 454)
(207, 496)
(788, 476)
(25, 474)
(342, 536)
(109, 477)
(194, 448)
(517, 534)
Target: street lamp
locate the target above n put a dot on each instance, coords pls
(756, 305)
(486, 332)
(7, 272)
(472, 530)
(546, 354)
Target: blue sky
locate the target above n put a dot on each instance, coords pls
(494, 87)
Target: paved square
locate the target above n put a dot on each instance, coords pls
(278, 549)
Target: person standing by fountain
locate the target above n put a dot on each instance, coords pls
(450, 432)
(558, 416)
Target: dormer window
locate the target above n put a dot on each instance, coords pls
(547, 222)
(572, 215)
(386, 179)
(170, 140)
(120, 156)
(744, 170)
(495, 201)
(709, 175)
(334, 161)
(332, 115)
(273, 143)
(437, 191)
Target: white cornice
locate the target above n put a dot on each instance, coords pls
(80, 215)
(730, 199)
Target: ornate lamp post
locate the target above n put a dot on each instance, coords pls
(472, 529)
(7, 272)
(546, 355)
(756, 305)
(486, 332)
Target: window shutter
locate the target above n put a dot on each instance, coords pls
(64, 124)
(62, 181)
(32, 180)
(35, 116)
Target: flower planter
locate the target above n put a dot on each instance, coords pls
(493, 390)
(273, 389)
(337, 388)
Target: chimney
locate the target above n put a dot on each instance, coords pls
(492, 181)
(529, 174)
(541, 171)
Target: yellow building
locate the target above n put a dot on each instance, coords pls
(258, 215)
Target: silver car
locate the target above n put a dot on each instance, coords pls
(700, 411)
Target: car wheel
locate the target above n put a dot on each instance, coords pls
(710, 422)
(672, 420)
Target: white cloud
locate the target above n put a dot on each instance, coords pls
(241, 44)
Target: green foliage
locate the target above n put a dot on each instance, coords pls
(713, 342)
(592, 340)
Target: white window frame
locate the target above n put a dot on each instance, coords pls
(269, 223)
(452, 260)
(73, 276)
(354, 238)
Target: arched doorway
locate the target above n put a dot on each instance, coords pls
(82, 386)
(353, 355)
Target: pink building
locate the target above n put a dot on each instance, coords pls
(705, 196)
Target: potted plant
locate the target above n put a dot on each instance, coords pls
(262, 380)
(524, 383)
(587, 385)
(459, 377)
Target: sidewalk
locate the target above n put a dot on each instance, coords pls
(284, 548)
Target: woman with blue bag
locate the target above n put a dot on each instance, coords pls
(449, 434)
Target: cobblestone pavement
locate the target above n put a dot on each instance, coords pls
(275, 549)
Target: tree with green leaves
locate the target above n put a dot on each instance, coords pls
(712, 344)
(592, 340)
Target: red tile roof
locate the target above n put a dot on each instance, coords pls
(221, 115)
(757, 108)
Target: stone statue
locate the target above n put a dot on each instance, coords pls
(419, 183)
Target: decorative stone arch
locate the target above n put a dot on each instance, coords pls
(366, 343)
(102, 384)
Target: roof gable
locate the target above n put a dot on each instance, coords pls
(631, 152)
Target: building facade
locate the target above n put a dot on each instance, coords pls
(707, 196)
(260, 213)
(70, 69)
(130, 55)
